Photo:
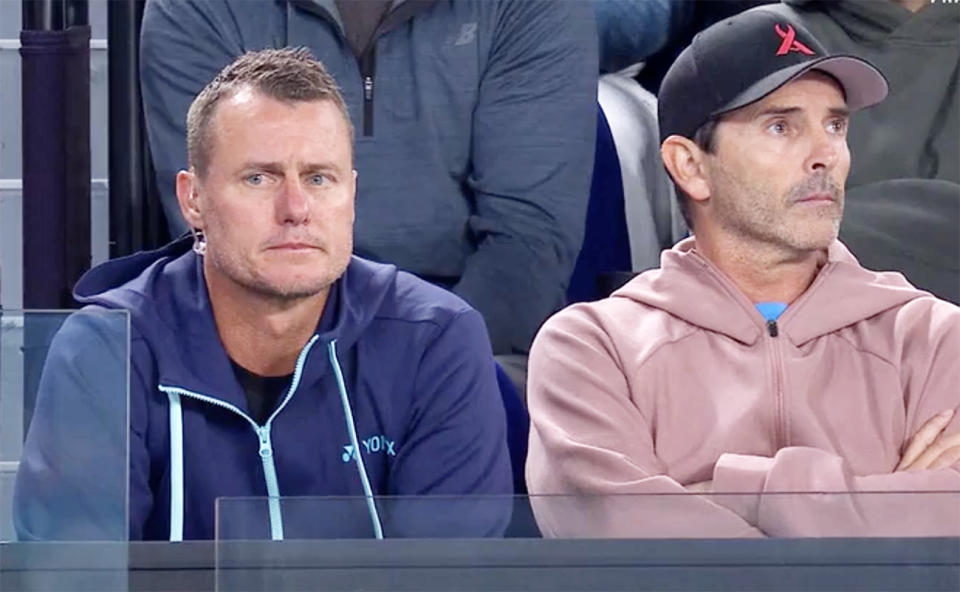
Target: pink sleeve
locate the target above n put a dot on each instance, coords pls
(591, 442)
(795, 498)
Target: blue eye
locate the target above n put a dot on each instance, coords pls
(255, 179)
(318, 179)
(837, 126)
(778, 128)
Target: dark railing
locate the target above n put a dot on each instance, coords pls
(136, 217)
(55, 65)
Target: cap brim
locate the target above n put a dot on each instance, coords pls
(863, 84)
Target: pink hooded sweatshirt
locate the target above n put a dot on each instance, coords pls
(677, 379)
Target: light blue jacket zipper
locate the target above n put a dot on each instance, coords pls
(263, 435)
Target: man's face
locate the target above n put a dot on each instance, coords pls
(276, 201)
(779, 166)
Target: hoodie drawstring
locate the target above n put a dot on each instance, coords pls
(176, 467)
(352, 430)
(266, 451)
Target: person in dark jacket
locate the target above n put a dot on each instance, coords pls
(265, 359)
(475, 130)
(915, 133)
(905, 182)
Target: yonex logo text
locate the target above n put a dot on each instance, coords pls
(371, 445)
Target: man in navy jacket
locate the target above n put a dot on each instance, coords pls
(265, 360)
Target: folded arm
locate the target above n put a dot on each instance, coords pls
(810, 492)
(918, 497)
(590, 442)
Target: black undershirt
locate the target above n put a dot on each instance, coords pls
(263, 392)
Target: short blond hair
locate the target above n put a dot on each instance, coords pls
(288, 75)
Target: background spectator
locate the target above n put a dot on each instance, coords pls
(629, 31)
(903, 210)
(915, 133)
(475, 130)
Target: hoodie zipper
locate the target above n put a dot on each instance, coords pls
(263, 436)
(780, 427)
(773, 330)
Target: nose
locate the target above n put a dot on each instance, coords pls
(825, 152)
(293, 203)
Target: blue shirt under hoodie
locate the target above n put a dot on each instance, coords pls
(412, 361)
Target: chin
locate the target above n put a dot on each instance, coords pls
(295, 291)
(816, 242)
(814, 235)
(293, 286)
(293, 280)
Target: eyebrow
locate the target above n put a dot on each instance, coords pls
(770, 111)
(834, 112)
(840, 112)
(276, 167)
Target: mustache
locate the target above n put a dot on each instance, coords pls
(816, 183)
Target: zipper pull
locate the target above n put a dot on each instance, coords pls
(368, 88)
(772, 328)
(265, 449)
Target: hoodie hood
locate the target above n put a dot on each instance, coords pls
(690, 287)
(166, 294)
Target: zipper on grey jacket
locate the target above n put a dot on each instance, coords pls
(368, 66)
(400, 12)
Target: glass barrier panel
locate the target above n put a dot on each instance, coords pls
(63, 449)
(847, 539)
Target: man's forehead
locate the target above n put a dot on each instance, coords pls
(238, 104)
(247, 98)
(250, 107)
(243, 95)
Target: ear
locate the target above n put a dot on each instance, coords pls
(684, 161)
(353, 197)
(188, 196)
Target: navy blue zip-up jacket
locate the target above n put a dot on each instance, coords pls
(412, 361)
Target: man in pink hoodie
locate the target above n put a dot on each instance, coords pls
(761, 359)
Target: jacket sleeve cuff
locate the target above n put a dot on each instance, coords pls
(738, 480)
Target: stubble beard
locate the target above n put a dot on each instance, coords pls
(759, 217)
(242, 275)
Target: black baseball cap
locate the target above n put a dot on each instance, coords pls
(744, 58)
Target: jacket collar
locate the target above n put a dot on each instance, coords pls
(166, 295)
(400, 12)
(690, 287)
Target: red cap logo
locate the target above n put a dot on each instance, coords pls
(790, 42)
